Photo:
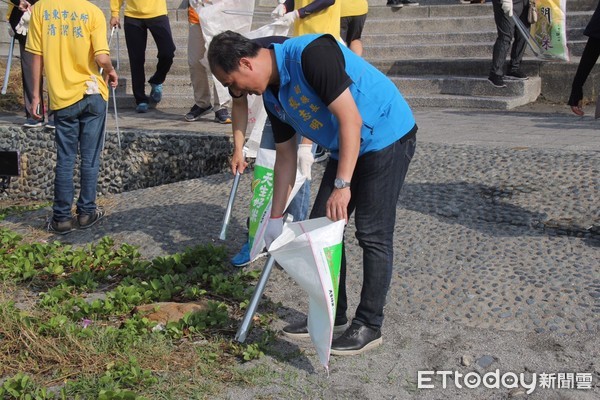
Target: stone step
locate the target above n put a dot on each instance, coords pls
(446, 51)
(390, 23)
(447, 91)
(483, 36)
(450, 24)
(463, 86)
(382, 14)
(454, 101)
(425, 46)
(384, 38)
(476, 67)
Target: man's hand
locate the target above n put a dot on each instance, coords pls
(238, 163)
(337, 204)
(114, 21)
(507, 7)
(305, 159)
(111, 78)
(280, 10)
(290, 17)
(35, 104)
(273, 230)
(24, 5)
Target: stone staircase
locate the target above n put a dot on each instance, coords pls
(438, 54)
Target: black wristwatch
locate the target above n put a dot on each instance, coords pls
(340, 183)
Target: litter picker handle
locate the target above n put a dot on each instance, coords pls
(227, 217)
(242, 332)
(8, 64)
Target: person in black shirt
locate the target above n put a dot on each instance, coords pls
(300, 204)
(19, 30)
(586, 63)
(318, 88)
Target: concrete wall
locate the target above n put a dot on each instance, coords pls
(143, 160)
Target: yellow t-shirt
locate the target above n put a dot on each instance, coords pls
(142, 9)
(324, 21)
(351, 8)
(68, 34)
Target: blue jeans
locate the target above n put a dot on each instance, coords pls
(375, 188)
(80, 125)
(301, 202)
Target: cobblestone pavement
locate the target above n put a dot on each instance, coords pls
(498, 229)
(498, 222)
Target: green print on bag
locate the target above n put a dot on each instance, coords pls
(262, 193)
(333, 254)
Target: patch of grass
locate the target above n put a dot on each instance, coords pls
(89, 346)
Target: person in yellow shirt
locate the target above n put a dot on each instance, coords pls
(68, 40)
(311, 16)
(200, 76)
(142, 16)
(354, 15)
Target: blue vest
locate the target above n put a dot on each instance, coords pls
(386, 116)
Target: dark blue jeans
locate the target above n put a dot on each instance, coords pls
(136, 37)
(80, 125)
(375, 188)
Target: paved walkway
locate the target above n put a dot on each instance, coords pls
(498, 229)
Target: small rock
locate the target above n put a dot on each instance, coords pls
(517, 392)
(466, 360)
(485, 361)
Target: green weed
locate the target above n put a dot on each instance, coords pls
(81, 335)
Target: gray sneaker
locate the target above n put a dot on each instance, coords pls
(222, 116)
(60, 227)
(88, 220)
(496, 80)
(196, 112)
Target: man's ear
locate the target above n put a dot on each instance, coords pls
(246, 63)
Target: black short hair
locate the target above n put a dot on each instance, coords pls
(227, 48)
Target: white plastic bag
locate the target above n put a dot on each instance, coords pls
(214, 21)
(311, 252)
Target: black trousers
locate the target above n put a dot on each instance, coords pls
(586, 63)
(136, 36)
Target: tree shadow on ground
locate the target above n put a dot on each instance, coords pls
(489, 209)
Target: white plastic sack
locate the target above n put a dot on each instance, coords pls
(213, 21)
(311, 252)
(262, 198)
